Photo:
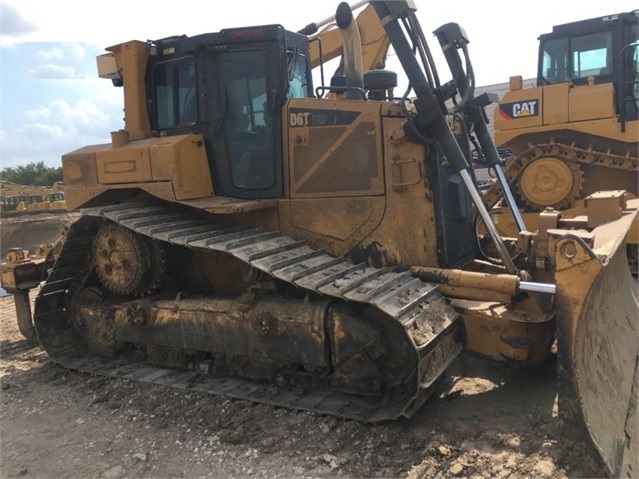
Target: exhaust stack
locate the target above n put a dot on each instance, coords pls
(352, 55)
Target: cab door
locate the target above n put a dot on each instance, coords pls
(245, 93)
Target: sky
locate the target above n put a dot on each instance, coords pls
(52, 102)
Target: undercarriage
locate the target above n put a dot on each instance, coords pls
(167, 295)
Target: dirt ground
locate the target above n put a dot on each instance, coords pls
(29, 230)
(486, 420)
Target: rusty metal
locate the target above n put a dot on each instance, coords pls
(19, 274)
(388, 345)
(499, 283)
(598, 349)
(125, 263)
(23, 271)
(500, 333)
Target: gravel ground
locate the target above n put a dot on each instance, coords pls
(486, 420)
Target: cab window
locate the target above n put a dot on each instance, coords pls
(244, 97)
(298, 68)
(175, 90)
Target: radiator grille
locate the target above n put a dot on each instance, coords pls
(350, 168)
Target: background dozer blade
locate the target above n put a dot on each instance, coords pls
(598, 346)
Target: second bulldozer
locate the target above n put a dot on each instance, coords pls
(576, 131)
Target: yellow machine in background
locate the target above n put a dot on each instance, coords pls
(250, 235)
(577, 131)
(15, 199)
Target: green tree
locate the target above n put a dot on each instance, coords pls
(36, 174)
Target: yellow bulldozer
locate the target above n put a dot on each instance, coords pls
(251, 234)
(576, 131)
(19, 199)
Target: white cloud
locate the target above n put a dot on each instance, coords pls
(12, 22)
(55, 60)
(49, 55)
(75, 50)
(53, 72)
(59, 127)
(33, 115)
(85, 112)
(51, 131)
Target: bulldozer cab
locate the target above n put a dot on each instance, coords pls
(603, 48)
(230, 87)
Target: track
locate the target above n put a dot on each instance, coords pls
(400, 297)
(569, 153)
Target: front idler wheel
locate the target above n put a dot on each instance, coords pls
(126, 263)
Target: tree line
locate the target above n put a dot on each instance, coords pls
(32, 174)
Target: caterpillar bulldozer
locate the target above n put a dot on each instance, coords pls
(19, 199)
(577, 130)
(249, 235)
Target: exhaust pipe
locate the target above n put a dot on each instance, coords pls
(352, 55)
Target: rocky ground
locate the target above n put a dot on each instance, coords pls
(487, 420)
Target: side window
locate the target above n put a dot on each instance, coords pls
(175, 94)
(164, 109)
(297, 74)
(631, 66)
(555, 61)
(592, 55)
(186, 93)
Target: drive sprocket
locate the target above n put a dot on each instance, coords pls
(126, 263)
(550, 182)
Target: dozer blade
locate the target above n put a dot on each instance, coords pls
(598, 345)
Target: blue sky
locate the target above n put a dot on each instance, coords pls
(51, 101)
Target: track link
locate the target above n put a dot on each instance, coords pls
(580, 156)
(398, 295)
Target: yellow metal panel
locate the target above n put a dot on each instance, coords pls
(607, 130)
(77, 196)
(131, 59)
(519, 109)
(79, 166)
(333, 224)
(163, 159)
(404, 235)
(555, 103)
(224, 205)
(130, 164)
(502, 334)
(336, 218)
(182, 160)
(193, 174)
(591, 102)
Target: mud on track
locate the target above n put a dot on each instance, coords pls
(487, 420)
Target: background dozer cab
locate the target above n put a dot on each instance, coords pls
(577, 131)
(245, 235)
